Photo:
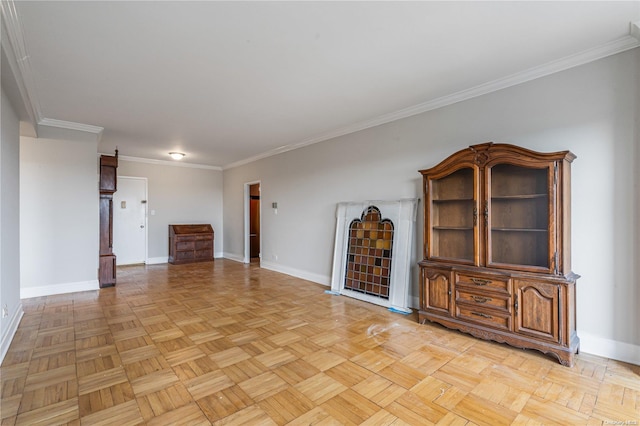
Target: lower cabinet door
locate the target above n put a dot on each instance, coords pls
(436, 291)
(537, 309)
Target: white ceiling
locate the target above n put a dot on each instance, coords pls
(227, 82)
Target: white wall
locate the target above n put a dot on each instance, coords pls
(9, 224)
(59, 216)
(591, 110)
(178, 194)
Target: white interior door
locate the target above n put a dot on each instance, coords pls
(130, 221)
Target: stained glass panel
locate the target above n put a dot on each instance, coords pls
(369, 254)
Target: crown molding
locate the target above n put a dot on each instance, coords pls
(69, 125)
(166, 162)
(13, 43)
(286, 148)
(617, 46)
(14, 46)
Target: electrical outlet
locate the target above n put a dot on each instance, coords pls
(5, 311)
(275, 257)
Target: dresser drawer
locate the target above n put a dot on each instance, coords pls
(204, 254)
(484, 282)
(204, 244)
(185, 255)
(500, 302)
(484, 316)
(185, 238)
(185, 245)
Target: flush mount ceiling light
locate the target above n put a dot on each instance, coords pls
(176, 155)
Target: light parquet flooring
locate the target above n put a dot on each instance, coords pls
(230, 344)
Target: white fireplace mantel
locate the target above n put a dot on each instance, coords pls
(403, 215)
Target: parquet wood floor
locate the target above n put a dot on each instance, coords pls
(230, 344)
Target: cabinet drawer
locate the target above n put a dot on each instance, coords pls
(204, 254)
(204, 237)
(205, 244)
(487, 317)
(184, 255)
(500, 302)
(183, 238)
(498, 284)
(185, 245)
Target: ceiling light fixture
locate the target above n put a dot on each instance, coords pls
(176, 155)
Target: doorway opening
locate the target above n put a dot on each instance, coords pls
(252, 222)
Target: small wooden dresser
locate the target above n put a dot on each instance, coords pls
(190, 243)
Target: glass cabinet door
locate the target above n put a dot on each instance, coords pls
(453, 217)
(518, 216)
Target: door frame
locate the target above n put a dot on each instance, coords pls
(146, 214)
(247, 218)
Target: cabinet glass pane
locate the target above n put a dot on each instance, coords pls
(453, 244)
(456, 186)
(519, 222)
(452, 216)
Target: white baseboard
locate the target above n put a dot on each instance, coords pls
(298, 273)
(594, 345)
(233, 257)
(5, 342)
(589, 343)
(27, 292)
(309, 276)
(218, 255)
(621, 351)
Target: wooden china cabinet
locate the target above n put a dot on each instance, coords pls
(497, 252)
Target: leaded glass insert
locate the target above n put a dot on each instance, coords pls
(369, 254)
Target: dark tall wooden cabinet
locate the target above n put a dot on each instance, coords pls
(108, 185)
(497, 252)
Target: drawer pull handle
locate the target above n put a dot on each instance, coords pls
(479, 299)
(478, 281)
(480, 314)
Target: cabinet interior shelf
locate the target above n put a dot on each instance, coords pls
(519, 230)
(518, 197)
(448, 200)
(453, 228)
